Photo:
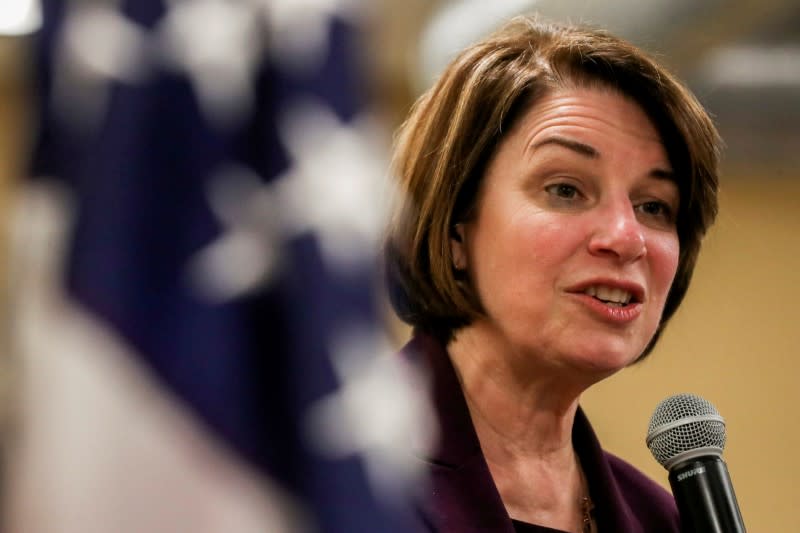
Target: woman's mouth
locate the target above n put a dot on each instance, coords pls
(611, 296)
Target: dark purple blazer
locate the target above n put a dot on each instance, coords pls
(463, 498)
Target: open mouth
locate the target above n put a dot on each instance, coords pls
(611, 296)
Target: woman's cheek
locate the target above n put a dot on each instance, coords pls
(665, 253)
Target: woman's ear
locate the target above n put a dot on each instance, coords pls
(458, 247)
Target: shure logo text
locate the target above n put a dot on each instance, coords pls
(693, 472)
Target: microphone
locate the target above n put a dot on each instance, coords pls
(686, 436)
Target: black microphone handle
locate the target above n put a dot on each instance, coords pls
(704, 494)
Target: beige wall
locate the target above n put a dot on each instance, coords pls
(735, 342)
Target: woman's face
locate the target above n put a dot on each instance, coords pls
(574, 247)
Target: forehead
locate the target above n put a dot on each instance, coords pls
(601, 114)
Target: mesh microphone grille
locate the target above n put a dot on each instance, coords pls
(683, 423)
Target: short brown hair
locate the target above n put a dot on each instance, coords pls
(454, 129)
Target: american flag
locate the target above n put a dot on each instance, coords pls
(197, 314)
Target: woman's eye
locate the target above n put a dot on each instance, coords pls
(563, 190)
(657, 209)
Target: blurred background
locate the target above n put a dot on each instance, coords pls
(735, 339)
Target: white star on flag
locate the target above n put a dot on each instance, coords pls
(334, 188)
(299, 28)
(247, 254)
(218, 44)
(380, 407)
(98, 45)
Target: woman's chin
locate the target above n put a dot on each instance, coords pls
(604, 360)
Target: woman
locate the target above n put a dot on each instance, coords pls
(556, 183)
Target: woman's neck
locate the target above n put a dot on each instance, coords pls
(523, 415)
(515, 397)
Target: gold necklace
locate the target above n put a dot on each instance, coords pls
(587, 521)
(587, 505)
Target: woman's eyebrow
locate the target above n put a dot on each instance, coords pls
(591, 152)
(662, 174)
(571, 144)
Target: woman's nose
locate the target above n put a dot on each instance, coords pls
(618, 233)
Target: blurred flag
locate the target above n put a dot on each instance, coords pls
(195, 310)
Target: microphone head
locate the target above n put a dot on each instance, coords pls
(683, 427)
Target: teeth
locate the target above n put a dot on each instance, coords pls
(609, 294)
